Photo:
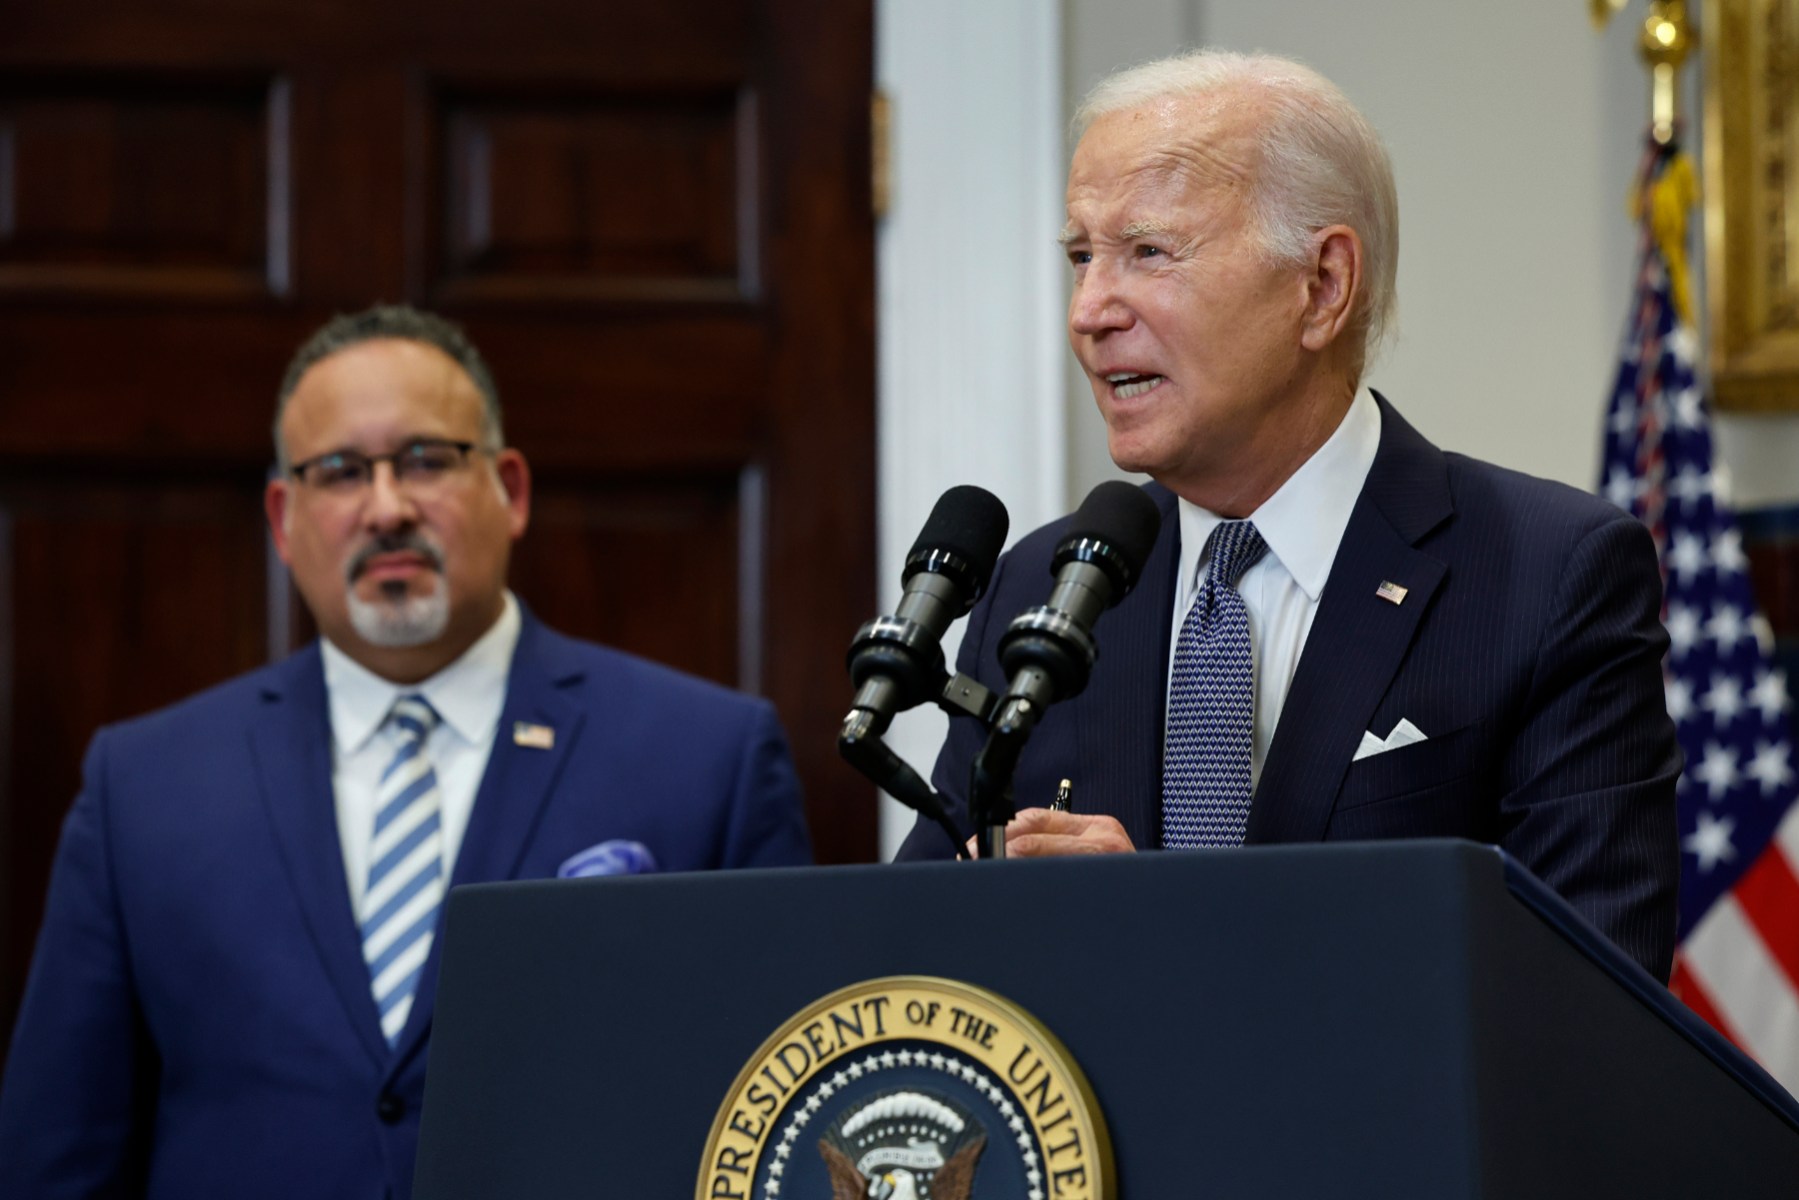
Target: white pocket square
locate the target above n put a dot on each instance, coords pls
(1404, 734)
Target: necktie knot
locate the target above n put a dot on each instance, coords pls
(413, 716)
(1233, 548)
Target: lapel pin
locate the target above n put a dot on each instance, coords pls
(533, 737)
(1391, 592)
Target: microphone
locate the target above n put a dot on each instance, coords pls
(896, 661)
(1048, 651)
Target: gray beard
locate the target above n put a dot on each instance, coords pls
(402, 621)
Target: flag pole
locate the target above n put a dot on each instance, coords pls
(1666, 189)
(1666, 42)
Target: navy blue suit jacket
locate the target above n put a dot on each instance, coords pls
(198, 1019)
(1528, 650)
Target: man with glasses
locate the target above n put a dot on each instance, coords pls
(232, 991)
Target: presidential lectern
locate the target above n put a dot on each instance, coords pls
(1385, 1020)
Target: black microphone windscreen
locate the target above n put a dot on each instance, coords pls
(970, 522)
(1123, 516)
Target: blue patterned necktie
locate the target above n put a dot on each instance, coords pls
(406, 871)
(1211, 703)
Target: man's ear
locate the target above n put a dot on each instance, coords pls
(514, 475)
(1333, 286)
(275, 499)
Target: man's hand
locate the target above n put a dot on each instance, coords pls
(1042, 833)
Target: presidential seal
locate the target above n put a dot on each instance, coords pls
(909, 1088)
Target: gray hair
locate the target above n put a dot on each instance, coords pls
(393, 321)
(1321, 162)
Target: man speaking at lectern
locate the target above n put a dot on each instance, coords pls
(233, 989)
(1342, 632)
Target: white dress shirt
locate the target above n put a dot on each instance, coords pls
(1303, 524)
(468, 696)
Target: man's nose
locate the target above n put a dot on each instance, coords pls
(1097, 306)
(388, 505)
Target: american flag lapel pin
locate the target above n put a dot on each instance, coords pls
(533, 736)
(1391, 592)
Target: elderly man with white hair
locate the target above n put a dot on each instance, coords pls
(1342, 632)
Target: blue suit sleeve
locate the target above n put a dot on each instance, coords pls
(1588, 782)
(768, 816)
(75, 1105)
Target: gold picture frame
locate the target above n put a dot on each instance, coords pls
(1751, 53)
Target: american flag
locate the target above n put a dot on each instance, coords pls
(1737, 964)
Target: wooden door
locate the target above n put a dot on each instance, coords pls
(654, 219)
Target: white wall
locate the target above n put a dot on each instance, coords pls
(970, 344)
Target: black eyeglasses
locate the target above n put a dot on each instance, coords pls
(421, 461)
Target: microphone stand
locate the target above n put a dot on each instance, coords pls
(1053, 654)
(1048, 656)
(990, 799)
(862, 745)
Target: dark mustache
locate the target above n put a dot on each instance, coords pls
(394, 543)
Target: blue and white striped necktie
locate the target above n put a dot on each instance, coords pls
(406, 869)
(1211, 703)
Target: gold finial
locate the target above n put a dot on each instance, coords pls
(1667, 34)
(1667, 39)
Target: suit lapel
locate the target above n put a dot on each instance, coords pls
(1125, 716)
(513, 792)
(1358, 639)
(519, 778)
(290, 740)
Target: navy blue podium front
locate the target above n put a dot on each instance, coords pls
(1403, 1019)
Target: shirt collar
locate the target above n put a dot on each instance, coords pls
(468, 694)
(1303, 522)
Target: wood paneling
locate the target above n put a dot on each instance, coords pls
(618, 197)
(135, 185)
(654, 220)
(653, 566)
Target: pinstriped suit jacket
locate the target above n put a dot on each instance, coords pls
(1528, 649)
